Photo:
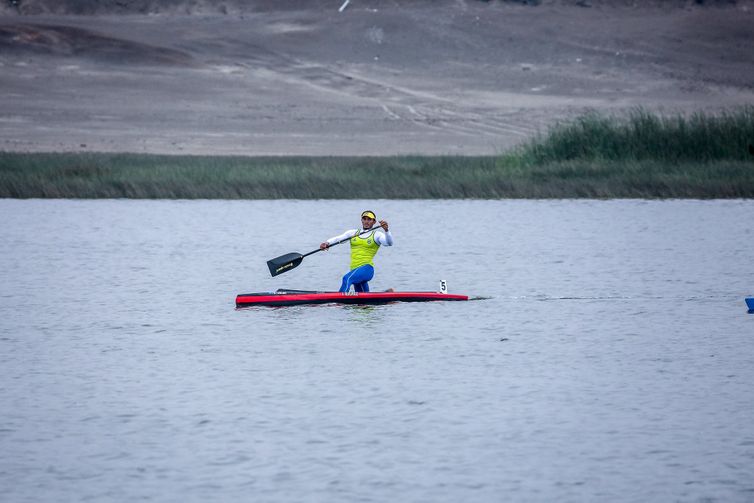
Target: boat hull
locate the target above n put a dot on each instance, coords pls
(297, 298)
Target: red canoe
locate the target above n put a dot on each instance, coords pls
(300, 297)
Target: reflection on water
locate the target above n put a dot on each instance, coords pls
(364, 316)
(611, 358)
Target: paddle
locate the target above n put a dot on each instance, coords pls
(286, 262)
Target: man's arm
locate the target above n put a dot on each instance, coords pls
(383, 238)
(348, 234)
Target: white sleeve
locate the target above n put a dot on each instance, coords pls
(383, 238)
(348, 234)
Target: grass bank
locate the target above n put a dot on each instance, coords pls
(639, 156)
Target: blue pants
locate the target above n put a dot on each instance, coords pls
(359, 278)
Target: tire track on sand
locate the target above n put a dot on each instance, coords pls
(399, 103)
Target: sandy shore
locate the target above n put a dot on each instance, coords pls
(379, 78)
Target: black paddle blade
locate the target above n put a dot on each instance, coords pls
(284, 263)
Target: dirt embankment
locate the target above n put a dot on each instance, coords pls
(89, 7)
(381, 77)
(176, 7)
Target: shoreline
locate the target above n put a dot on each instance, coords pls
(146, 176)
(640, 156)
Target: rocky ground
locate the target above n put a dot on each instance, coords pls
(377, 78)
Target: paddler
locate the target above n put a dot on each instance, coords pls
(363, 249)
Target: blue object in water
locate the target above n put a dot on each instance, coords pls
(750, 303)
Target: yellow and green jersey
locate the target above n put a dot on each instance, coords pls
(363, 250)
(364, 247)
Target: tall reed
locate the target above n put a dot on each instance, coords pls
(644, 135)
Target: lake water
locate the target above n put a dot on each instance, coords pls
(613, 359)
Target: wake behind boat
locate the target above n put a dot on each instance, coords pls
(284, 297)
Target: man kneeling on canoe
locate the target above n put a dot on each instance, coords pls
(363, 249)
